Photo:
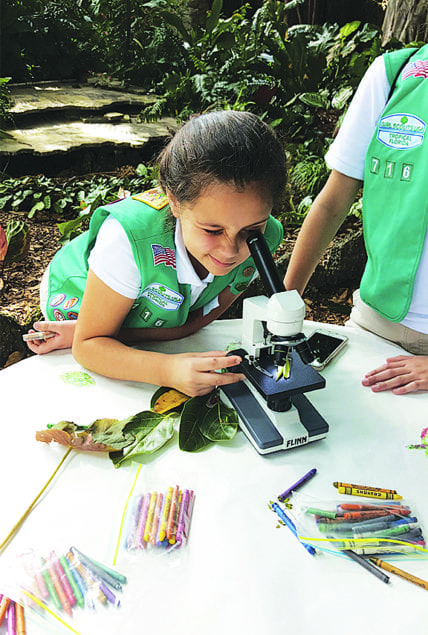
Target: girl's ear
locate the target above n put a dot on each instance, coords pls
(174, 205)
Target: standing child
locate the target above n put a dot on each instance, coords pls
(161, 265)
(382, 142)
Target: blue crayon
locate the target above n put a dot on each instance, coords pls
(283, 516)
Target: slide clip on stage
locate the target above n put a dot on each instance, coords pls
(274, 413)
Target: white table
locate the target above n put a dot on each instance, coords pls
(239, 573)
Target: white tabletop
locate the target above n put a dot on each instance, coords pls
(240, 572)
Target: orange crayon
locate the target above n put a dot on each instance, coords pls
(4, 605)
(59, 589)
(20, 620)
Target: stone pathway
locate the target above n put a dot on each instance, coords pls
(58, 118)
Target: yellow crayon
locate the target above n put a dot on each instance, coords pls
(354, 490)
(165, 514)
(156, 518)
(371, 492)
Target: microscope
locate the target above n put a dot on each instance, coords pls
(273, 411)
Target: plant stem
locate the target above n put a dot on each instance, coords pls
(15, 528)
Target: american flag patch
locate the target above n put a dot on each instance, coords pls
(418, 68)
(163, 255)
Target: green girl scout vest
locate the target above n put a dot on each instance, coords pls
(162, 301)
(395, 199)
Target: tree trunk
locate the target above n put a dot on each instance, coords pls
(407, 20)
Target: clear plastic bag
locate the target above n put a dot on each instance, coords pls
(156, 519)
(366, 526)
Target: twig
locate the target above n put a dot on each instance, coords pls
(15, 528)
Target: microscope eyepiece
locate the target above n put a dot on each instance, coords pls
(265, 264)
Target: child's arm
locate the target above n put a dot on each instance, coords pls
(97, 348)
(319, 227)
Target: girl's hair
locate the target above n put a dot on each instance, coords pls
(226, 146)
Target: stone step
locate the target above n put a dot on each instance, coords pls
(51, 98)
(79, 130)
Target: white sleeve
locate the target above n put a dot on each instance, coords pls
(112, 260)
(348, 151)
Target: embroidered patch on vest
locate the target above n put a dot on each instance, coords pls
(154, 197)
(418, 68)
(401, 131)
(162, 296)
(164, 256)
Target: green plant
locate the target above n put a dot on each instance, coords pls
(74, 199)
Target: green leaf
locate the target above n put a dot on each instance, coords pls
(111, 432)
(190, 437)
(220, 423)
(149, 431)
(214, 16)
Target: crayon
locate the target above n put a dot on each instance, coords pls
(20, 619)
(77, 592)
(132, 531)
(50, 586)
(368, 492)
(11, 619)
(341, 528)
(4, 605)
(183, 536)
(174, 513)
(141, 524)
(59, 589)
(396, 509)
(37, 335)
(150, 514)
(373, 526)
(165, 513)
(389, 549)
(388, 531)
(298, 484)
(373, 489)
(396, 571)
(289, 523)
(59, 570)
(184, 515)
(367, 565)
(156, 518)
(364, 515)
(174, 499)
(107, 575)
(321, 512)
(71, 561)
(110, 596)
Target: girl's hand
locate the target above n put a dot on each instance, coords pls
(63, 333)
(401, 374)
(195, 374)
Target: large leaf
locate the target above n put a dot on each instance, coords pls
(150, 431)
(71, 435)
(220, 423)
(190, 437)
(167, 400)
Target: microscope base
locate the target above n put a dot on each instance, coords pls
(270, 431)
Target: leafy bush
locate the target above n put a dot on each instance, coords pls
(74, 199)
